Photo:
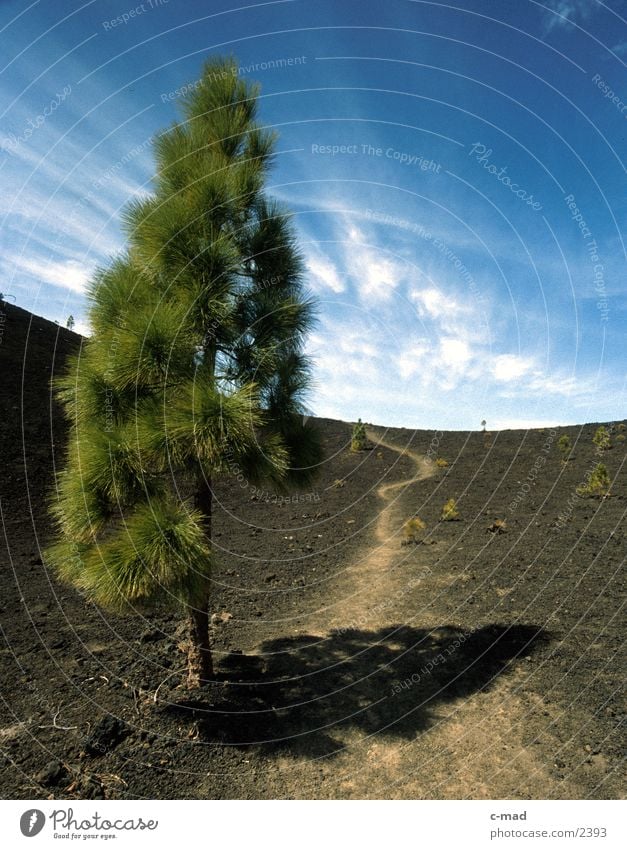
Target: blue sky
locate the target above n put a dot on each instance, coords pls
(456, 173)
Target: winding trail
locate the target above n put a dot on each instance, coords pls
(366, 584)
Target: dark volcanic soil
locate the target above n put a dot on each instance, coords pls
(474, 664)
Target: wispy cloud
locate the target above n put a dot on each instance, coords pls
(510, 367)
(561, 13)
(374, 273)
(324, 273)
(66, 274)
(411, 360)
(60, 221)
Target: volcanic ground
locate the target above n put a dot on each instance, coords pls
(480, 661)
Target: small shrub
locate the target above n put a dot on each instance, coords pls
(620, 437)
(359, 440)
(414, 529)
(602, 438)
(441, 463)
(563, 443)
(449, 511)
(498, 526)
(598, 482)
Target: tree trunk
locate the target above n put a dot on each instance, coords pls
(200, 661)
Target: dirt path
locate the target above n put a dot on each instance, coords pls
(472, 746)
(365, 592)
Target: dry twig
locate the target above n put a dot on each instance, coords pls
(59, 727)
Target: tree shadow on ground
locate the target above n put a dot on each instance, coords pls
(299, 692)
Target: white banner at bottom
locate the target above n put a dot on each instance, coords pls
(303, 824)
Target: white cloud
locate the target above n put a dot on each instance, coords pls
(62, 220)
(455, 353)
(556, 384)
(456, 315)
(339, 347)
(508, 367)
(457, 348)
(66, 274)
(440, 305)
(562, 12)
(325, 274)
(432, 302)
(332, 364)
(83, 327)
(445, 362)
(356, 344)
(377, 278)
(537, 382)
(411, 360)
(375, 272)
(355, 234)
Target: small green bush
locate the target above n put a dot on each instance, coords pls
(602, 438)
(563, 443)
(449, 511)
(598, 482)
(414, 529)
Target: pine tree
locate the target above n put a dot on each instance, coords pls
(195, 368)
(359, 438)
